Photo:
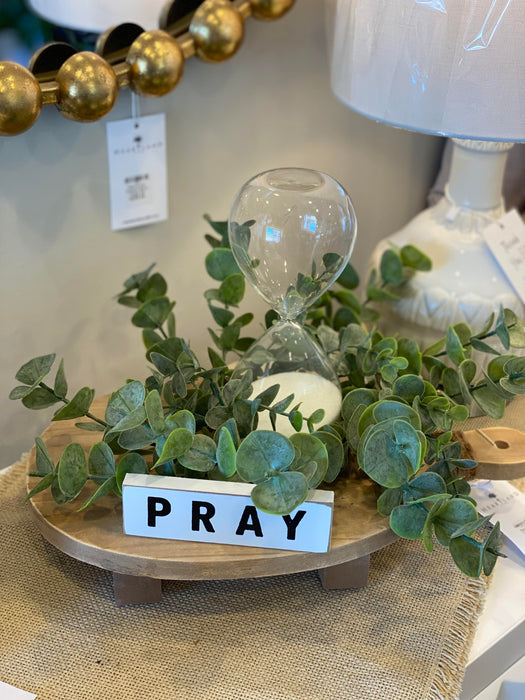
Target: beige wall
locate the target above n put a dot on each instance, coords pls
(60, 262)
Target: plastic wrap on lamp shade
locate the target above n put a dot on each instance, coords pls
(450, 67)
(98, 15)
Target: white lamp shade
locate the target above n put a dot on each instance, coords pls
(98, 15)
(451, 67)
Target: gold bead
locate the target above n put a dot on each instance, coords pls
(270, 9)
(87, 87)
(20, 99)
(156, 63)
(217, 30)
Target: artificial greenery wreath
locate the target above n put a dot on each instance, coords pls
(396, 419)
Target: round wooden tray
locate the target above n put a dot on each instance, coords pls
(95, 535)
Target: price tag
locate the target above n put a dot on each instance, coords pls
(506, 240)
(137, 171)
(506, 504)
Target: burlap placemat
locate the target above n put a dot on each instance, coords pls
(406, 636)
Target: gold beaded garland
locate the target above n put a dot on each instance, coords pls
(156, 63)
(87, 87)
(217, 30)
(270, 9)
(20, 99)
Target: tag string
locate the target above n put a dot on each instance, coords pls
(135, 108)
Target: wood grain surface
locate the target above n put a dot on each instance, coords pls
(95, 535)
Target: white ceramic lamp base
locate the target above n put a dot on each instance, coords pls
(465, 283)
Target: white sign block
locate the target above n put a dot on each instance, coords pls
(222, 512)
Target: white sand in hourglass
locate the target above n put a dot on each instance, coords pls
(312, 390)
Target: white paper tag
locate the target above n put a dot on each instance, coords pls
(506, 240)
(506, 504)
(9, 692)
(137, 171)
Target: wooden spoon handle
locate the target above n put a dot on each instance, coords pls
(500, 452)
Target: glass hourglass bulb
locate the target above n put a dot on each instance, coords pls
(292, 232)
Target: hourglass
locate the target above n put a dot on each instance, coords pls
(292, 232)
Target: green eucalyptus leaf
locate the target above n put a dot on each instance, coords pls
(268, 395)
(283, 404)
(489, 402)
(150, 338)
(171, 325)
(455, 513)
(221, 316)
(355, 398)
(408, 521)
(101, 461)
(72, 472)
(414, 258)
(335, 452)
(379, 294)
(136, 439)
(261, 453)
(296, 419)
(491, 545)
(467, 555)
(137, 279)
(154, 286)
(39, 398)
(78, 406)
(352, 427)
(226, 454)
(60, 386)
(383, 460)
(459, 413)
(218, 415)
(220, 263)
(124, 400)
(385, 409)
(231, 290)
(165, 366)
(20, 391)
(33, 371)
(391, 267)
(309, 449)
(129, 301)
(424, 485)
(44, 483)
(59, 497)
(131, 463)
(152, 313)
(201, 456)
(451, 382)
(516, 328)
(470, 527)
(389, 499)
(501, 329)
(409, 349)
(280, 494)
(106, 487)
(177, 443)
(155, 412)
(483, 347)
(454, 347)
(130, 421)
(348, 278)
(44, 463)
(408, 387)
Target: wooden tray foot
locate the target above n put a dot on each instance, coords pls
(134, 590)
(350, 574)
